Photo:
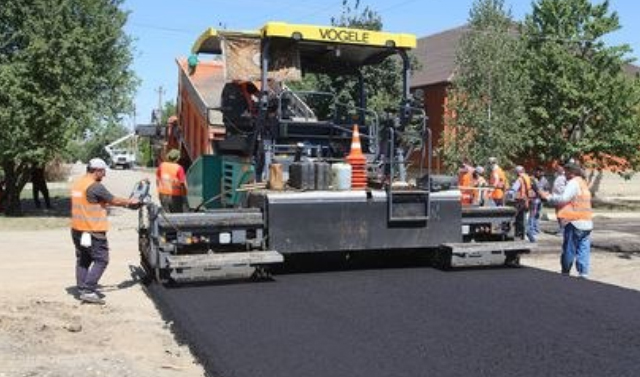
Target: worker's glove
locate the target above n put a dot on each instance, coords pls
(543, 195)
(134, 204)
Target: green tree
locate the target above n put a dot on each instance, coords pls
(489, 89)
(91, 145)
(168, 110)
(582, 103)
(150, 148)
(64, 70)
(383, 82)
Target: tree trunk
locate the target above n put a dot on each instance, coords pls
(13, 206)
(16, 177)
(594, 179)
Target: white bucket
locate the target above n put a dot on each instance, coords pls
(341, 176)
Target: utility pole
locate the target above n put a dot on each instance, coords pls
(156, 117)
(160, 92)
(134, 114)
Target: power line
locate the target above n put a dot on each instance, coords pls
(320, 11)
(161, 28)
(396, 5)
(223, 24)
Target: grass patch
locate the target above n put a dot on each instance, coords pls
(27, 223)
(56, 193)
(616, 205)
(40, 219)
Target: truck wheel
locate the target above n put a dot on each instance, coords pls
(441, 259)
(162, 276)
(147, 272)
(261, 273)
(512, 260)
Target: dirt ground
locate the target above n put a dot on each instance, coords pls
(45, 331)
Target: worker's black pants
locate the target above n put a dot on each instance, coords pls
(173, 203)
(92, 261)
(521, 220)
(41, 188)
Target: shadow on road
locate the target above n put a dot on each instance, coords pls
(60, 207)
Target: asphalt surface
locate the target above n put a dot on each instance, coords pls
(408, 321)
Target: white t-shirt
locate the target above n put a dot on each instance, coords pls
(571, 190)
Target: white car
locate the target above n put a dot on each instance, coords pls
(123, 159)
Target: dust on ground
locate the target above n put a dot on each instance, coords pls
(615, 257)
(46, 331)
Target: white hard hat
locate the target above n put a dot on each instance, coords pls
(97, 163)
(493, 160)
(479, 170)
(519, 169)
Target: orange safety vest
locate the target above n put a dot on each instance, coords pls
(525, 191)
(168, 182)
(465, 179)
(499, 184)
(579, 208)
(86, 216)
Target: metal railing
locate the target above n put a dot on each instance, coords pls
(425, 141)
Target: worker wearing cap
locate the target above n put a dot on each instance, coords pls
(539, 183)
(480, 183)
(559, 183)
(522, 193)
(498, 180)
(170, 178)
(465, 182)
(576, 214)
(89, 226)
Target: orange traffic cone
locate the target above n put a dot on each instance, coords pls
(358, 162)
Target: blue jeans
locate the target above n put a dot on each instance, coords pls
(576, 246)
(533, 222)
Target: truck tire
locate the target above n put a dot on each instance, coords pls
(512, 259)
(441, 259)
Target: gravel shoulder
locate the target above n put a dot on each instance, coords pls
(615, 255)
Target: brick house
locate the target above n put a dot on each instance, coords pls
(436, 54)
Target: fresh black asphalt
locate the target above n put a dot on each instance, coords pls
(409, 321)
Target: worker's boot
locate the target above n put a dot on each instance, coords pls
(91, 298)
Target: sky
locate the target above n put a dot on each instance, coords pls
(165, 30)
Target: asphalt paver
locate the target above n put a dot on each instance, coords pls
(410, 321)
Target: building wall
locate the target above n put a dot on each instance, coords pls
(435, 101)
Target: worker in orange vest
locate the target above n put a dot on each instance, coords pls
(539, 183)
(522, 193)
(576, 215)
(498, 180)
(465, 181)
(89, 226)
(480, 183)
(171, 182)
